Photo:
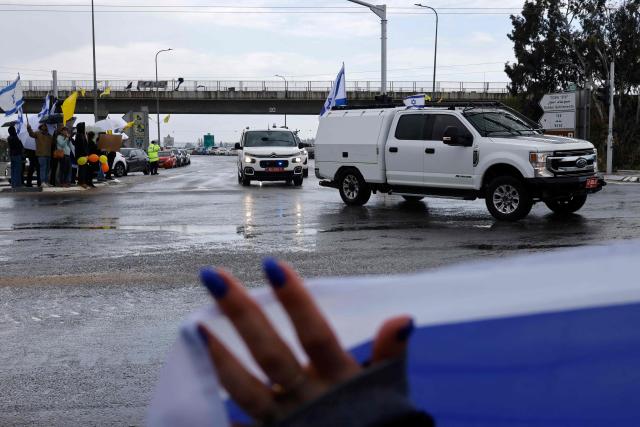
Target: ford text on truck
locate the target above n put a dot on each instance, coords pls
(270, 155)
(466, 151)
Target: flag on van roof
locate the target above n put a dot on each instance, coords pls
(337, 95)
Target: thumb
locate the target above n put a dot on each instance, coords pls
(392, 339)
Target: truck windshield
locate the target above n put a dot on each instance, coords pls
(499, 123)
(269, 139)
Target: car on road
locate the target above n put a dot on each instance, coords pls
(187, 157)
(269, 155)
(137, 160)
(167, 160)
(460, 150)
(119, 166)
(180, 158)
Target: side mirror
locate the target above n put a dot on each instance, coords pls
(452, 137)
(237, 146)
(301, 145)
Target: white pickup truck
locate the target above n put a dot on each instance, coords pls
(465, 150)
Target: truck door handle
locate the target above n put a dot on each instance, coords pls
(393, 149)
(430, 151)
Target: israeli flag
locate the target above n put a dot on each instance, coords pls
(11, 98)
(338, 94)
(540, 340)
(46, 107)
(415, 100)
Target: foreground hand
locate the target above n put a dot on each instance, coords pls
(291, 383)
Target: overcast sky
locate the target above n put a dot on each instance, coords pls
(254, 40)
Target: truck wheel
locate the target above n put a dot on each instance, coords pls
(297, 181)
(412, 198)
(507, 199)
(566, 206)
(353, 188)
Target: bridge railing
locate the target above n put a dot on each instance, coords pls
(407, 87)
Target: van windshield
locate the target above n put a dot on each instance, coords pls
(269, 139)
(500, 123)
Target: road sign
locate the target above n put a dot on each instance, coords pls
(559, 120)
(558, 102)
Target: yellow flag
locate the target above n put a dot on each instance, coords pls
(69, 107)
(128, 125)
(166, 118)
(107, 92)
(83, 92)
(427, 98)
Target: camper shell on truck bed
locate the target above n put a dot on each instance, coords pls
(462, 150)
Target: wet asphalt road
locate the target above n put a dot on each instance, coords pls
(93, 285)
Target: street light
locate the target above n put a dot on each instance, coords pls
(381, 11)
(435, 51)
(157, 92)
(95, 80)
(285, 96)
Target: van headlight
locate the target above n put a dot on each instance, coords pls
(539, 163)
(248, 159)
(296, 160)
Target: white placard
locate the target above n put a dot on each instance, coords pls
(563, 120)
(558, 102)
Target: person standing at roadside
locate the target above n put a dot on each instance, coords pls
(16, 151)
(63, 144)
(81, 150)
(152, 151)
(44, 143)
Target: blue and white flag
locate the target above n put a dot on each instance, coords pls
(338, 94)
(504, 342)
(47, 107)
(415, 100)
(11, 98)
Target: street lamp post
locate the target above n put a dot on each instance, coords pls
(381, 11)
(435, 50)
(95, 80)
(285, 96)
(157, 92)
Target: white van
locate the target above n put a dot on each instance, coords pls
(467, 151)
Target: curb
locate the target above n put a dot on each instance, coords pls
(60, 189)
(623, 178)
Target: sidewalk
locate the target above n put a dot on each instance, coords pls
(624, 176)
(4, 187)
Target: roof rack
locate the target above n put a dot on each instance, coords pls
(442, 104)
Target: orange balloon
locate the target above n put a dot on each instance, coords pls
(105, 168)
(94, 158)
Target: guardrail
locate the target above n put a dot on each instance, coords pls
(270, 86)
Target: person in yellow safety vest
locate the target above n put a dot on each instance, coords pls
(154, 159)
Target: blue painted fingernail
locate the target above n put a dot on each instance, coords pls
(203, 334)
(213, 282)
(405, 332)
(274, 272)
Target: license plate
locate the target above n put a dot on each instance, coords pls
(592, 183)
(274, 169)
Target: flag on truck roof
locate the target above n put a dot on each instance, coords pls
(11, 98)
(539, 340)
(415, 100)
(337, 95)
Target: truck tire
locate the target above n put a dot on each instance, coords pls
(566, 206)
(353, 188)
(412, 198)
(297, 181)
(507, 199)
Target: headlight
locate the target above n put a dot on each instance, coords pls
(296, 160)
(539, 163)
(248, 159)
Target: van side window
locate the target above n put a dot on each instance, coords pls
(442, 121)
(413, 127)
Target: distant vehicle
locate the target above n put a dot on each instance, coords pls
(456, 150)
(187, 156)
(167, 159)
(269, 155)
(305, 157)
(180, 158)
(137, 160)
(311, 149)
(199, 151)
(119, 166)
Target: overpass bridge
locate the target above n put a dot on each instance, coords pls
(243, 97)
